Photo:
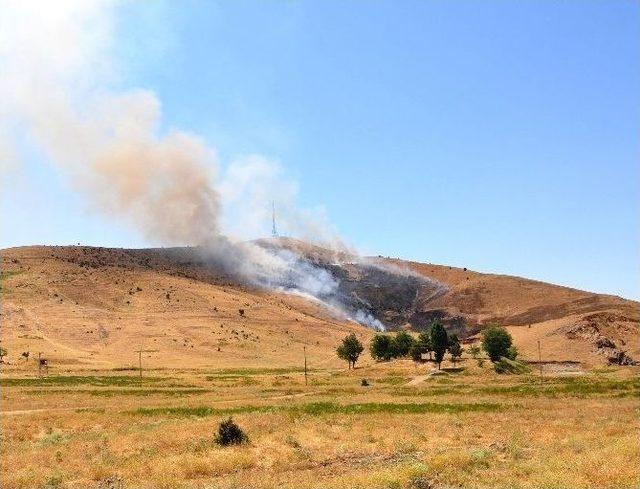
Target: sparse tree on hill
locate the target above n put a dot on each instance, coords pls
(382, 347)
(350, 350)
(454, 348)
(496, 341)
(439, 341)
(403, 342)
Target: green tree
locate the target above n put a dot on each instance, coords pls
(512, 353)
(454, 348)
(350, 350)
(496, 341)
(420, 347)
(382, 347)
(424, 338)
(474, 351)
(402, 343)
(439, 341)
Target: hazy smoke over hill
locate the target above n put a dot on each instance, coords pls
(60, 93)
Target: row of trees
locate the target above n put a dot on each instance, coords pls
(435, 342)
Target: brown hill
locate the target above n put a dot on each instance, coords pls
(86, 307)
(569, 323)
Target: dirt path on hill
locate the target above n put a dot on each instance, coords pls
(417, 380)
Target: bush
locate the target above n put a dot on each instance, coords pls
(229, 433)
(474, 351)
(496, 341)
(364, 383)
(512, 353)
(507, 366)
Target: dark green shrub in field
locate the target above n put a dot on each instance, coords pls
(512, 353)
(229, 433)
(364, 383)
(507, 366)
(496, 341)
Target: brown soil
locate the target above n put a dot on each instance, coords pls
(85, 307)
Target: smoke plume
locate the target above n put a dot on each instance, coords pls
(62, 94)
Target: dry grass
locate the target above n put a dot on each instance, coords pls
(474, 429)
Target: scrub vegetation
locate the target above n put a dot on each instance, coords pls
(472, 428)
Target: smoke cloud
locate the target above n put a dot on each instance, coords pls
(61, 91)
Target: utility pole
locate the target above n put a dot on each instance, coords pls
(140, 352)
(540, 358)
(304, 348)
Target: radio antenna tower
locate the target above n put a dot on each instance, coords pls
(274, 230)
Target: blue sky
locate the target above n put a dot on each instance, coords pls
(500, 136)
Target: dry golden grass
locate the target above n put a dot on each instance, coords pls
(93, 424)
(474, 429)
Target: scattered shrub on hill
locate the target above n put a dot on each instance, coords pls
(350, 350)
(364, 383)
(507, 366)
(229, 433)
(439, 341)
(496, 341)
(3, 353)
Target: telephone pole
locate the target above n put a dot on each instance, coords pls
(140, 352)
(540, 358)
(304, 348)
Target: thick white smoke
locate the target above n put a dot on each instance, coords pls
(61, 93)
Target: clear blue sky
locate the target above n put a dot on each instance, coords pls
(503, 136)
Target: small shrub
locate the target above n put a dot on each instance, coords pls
(229, 433)
(364, 383)
(507, 366)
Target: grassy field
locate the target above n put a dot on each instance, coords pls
(471, 429)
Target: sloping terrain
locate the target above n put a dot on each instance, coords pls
(86, 307)
(571, 324)
(94, 307)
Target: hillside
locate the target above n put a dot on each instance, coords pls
(86, 307)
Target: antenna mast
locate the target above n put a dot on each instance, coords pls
(274, 230)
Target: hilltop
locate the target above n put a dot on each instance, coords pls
(87, 307)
